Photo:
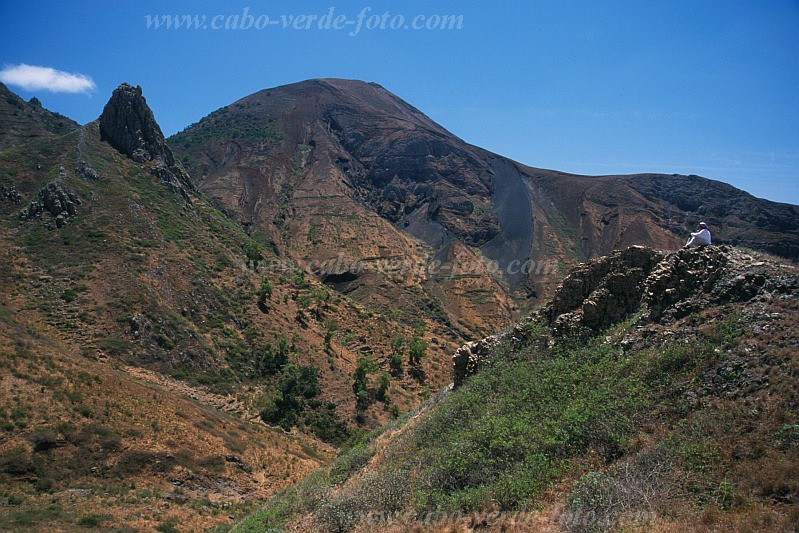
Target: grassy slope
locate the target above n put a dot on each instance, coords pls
(140, 278)
(692, 431)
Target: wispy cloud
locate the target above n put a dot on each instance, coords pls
(34, 78)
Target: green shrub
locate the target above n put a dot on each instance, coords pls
(417, 349)
(15, 461)
(168, 526)
(93, 520)
(383, 383)
(114, 345)
(787, 436)
(326, 425)
(296, 386)
(395, 364)
(42, 439)
(339, 514)
(264, 294)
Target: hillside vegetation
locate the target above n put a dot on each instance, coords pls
(689, 421)
(157, 362)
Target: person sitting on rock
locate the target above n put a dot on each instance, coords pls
(700, 238)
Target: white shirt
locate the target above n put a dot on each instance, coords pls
(701, 237)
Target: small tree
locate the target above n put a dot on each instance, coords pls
(264, 294)
(395, 362)
(360, 383)
(398, 344)
(253, 254)
(383, 383)
(332, 326)
(417, 349)
(320, 296)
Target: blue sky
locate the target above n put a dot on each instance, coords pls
(700, 87)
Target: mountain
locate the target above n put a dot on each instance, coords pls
(323, 157)
(24, 121)
(188, 325)
(655, 391)
(155, 369)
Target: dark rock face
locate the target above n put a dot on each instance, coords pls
(128, 124)
(415, 167)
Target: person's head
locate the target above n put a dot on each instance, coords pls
(702, 225)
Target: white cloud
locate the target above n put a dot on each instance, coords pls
(33, 78)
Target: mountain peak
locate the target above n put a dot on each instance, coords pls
(128, 124)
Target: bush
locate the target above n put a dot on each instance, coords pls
(383, 383)
(327, 426)
(360, 384)
(787, 436)
(417, 349)
(114, 345)
(15, 461)
(134, 462)
(93, 520)
(341, 513)
(635, 489)
(395, 363)
(295, 386)
(168, 526)
(253, 254)
(42, 439)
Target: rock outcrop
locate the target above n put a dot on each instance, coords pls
(601, 292)
(55, 199)
(471, 356)
(85, 172)
(128, 124)
(661, 287)
(8, 193)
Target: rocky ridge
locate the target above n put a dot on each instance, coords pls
(655, 287)
(27, 121)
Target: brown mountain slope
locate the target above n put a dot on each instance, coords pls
(308, 166)
(311, 164)
(142, 335)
